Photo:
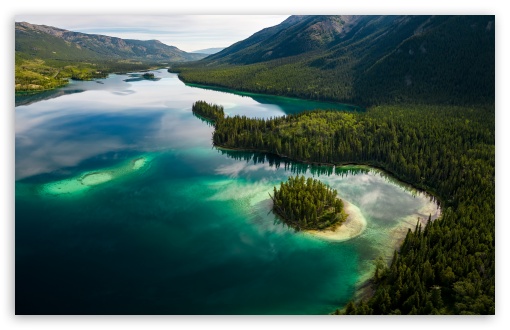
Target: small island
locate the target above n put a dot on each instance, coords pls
(148, 75)
(308, 204)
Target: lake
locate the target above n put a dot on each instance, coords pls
(123, 206)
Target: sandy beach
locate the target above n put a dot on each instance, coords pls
(353, 226)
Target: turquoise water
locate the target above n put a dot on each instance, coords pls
(124, 207)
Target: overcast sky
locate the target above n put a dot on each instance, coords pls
(186, 32)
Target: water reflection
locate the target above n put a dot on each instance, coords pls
(140, 77)
(256, 160)
(112, 83)
(292, 166)
(52, 141)
(287, 104)
(204, 120)
(26, 99)
(296, 106)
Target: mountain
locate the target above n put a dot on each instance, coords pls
(46, 42)
(361, 59)
(296, 35)
(46, 57)
(208, 51)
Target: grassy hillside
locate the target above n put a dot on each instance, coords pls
(32, 43)
(46, 42)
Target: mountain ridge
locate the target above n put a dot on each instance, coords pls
(360, 59)
(104, 46)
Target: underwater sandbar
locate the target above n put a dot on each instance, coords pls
(139, 163)
(96, 178)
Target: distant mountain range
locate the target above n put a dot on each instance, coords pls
(46, 57)
(209, 51)
(46, 42)
(360, 59)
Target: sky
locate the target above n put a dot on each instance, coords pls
(186, 32)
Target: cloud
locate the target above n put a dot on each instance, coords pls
(187, 32)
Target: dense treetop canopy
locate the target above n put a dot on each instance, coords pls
(308, 204)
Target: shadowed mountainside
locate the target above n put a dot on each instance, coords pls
(363, 60)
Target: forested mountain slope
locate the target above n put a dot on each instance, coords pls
(361, 59)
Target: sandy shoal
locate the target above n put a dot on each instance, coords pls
(353, 226)
(96, 178)
(139, 163)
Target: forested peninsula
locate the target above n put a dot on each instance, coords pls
(446, 267)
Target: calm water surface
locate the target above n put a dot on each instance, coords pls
(124, 207)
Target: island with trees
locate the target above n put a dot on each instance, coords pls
(308, 204)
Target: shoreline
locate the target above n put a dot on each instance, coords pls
(353, 226)
(372, 165)
(250, 93)
(26, 92)
(364, 285)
